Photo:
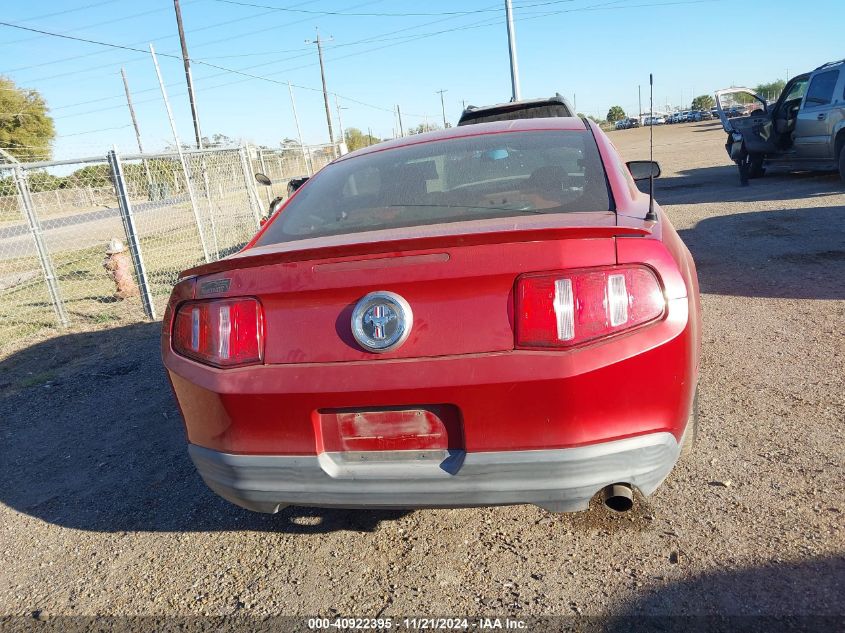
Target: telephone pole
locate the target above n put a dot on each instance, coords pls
(135, 125)
(132, 111)
(187, 61)
(512, 51)
(339, 119)
(640, 101)
(442, 106)
(399, 115)
(319, 44)
(305, 156)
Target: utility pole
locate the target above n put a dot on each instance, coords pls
(575, 101)
(442, 106)
(137, 129)
(187, 61)
(640, 101)
(339, 119)
(512, 51)
(188, 186)
(319, 44)
(369, 136)
(305, 156)
(131, 111)
(399, 114)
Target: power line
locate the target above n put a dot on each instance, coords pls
(481, 24)
(227, 23)
(371, 39)
(384, 14)
(55, 13)
(96, 24)
(345, 14)
(155, 39)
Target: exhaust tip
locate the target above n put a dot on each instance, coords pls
(618, 497)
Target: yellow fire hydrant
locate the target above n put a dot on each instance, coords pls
(119, 268)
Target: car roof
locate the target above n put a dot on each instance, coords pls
(494, 127)
(830, 65)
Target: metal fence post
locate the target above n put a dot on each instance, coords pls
(131, 234)
(249, 181)
(43, 255)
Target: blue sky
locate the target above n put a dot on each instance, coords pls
(597, 50)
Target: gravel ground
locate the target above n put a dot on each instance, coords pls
(101, 512)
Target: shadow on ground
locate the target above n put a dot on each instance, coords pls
(790, 254)
(90, 438)
(721, 184)
(794, 252)
(806, 594)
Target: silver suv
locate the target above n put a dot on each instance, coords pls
(803, 129)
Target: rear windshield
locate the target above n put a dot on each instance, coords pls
(455, 180)
(510, 113)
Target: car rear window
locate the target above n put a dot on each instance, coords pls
(453, 180)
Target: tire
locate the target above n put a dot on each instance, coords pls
(691, 433)
(743, 172)
(755, 166)
(842, 162)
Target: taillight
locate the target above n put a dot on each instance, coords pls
(220, 332)
(571, 307)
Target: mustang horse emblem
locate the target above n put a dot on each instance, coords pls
(379, 316)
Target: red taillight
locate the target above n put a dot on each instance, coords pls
(571, 307)
(221, 332)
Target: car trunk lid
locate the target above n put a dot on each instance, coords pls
(458, 281)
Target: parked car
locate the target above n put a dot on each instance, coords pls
(483, 315)
(654, 120)
(704, 115)
(556, 106)
(624, 124)
(804, 129)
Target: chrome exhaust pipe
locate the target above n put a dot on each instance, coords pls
(618, 497)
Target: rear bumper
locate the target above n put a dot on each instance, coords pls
(559, 480)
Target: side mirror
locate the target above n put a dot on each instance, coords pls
(643, 169)
(263, 180)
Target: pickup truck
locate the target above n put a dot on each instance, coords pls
(804, 129)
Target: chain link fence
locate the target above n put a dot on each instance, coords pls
(100, 241)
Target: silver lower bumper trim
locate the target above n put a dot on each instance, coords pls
(560, 480)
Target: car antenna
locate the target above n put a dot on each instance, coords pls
(651, 216)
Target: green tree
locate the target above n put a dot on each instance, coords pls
(770, 90)
(356, 139)
(26, 130)
(703, 102)
(616, 113)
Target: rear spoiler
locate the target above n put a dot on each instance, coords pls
(279, 256)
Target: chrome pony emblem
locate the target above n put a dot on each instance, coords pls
(381, 321)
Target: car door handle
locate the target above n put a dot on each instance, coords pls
(822, 116)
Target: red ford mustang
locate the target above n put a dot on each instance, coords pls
(479, 316)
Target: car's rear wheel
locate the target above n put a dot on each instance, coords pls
(842, 162)
(691, 433)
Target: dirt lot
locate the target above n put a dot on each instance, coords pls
(101, 512)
